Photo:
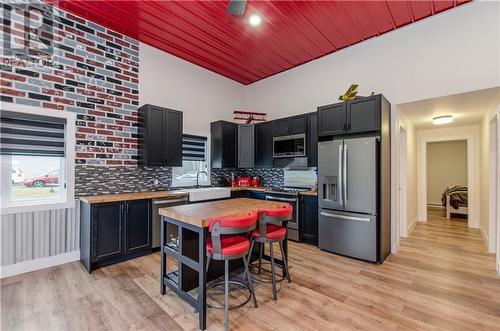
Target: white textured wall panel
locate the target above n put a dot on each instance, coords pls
(34, 235)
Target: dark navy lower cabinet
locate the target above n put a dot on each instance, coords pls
(114, 232)
(239, 194)
(256, 195)
(308, 210)
(138, 225)
(107, 230)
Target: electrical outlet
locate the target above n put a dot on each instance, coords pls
(155, 182)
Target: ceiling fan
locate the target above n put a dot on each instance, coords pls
(236, 7)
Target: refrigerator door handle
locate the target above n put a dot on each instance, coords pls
(344, 180)
(340, 181)
(349, 218)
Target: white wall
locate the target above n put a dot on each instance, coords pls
(411, 167)
(484, 170)
(449, 53)
(446, 166)
(203, 96)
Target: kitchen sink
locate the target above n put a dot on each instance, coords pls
(208, 193)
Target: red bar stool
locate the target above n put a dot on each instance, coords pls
(271, 230)
(229, 240)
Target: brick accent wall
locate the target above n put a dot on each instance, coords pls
(93, 72)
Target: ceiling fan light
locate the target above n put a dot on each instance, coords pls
(254, 20)
(440, 120)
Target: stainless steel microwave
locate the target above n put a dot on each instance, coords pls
(289, 146)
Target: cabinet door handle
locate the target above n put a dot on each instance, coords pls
(126, 208)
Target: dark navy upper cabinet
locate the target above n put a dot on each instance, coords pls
(312, 139)
(298, 124)
(246, 146)
(263, 145)
(354, 116)
(290, 125)
(281, 127)
(332, 119)
(363, 114)
(224, 144)
(160, 136)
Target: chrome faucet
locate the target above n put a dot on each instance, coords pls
(198, 177)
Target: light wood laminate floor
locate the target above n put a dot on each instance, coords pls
(442, 279)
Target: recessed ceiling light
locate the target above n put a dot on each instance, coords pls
(254, 20)
(440, 120)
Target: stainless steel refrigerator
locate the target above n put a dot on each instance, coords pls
(348, 198)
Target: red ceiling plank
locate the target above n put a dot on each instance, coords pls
(291, 33)
(379, 12)
(250, 39)
(360, 18)
(441, 5)
(322, 23)
(421, 9)
(400, 12)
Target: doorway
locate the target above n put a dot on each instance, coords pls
(447, 190)
(471, 135)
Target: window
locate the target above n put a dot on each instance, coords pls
(194, 160)
(37, 159)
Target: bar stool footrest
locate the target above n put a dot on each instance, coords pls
(234, 282)
(255, 265)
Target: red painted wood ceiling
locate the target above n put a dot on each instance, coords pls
(291, 32)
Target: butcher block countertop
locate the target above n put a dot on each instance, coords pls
(200, 214)
(311, 193)
(165, 194)
(132, 196)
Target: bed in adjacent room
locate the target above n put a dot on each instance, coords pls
(455, 200)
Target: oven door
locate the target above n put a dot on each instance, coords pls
(293, 224)
(289, 146)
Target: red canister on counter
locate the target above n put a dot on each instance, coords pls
(255, 181)
(243, 181)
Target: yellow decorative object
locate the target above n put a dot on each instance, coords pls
(350, 94)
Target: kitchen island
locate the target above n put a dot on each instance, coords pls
(189, 279)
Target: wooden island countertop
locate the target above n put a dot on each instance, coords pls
(200, 214)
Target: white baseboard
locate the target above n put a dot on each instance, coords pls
(435, 206)
(33, 265)
(412, 226)
(394, 248)
(485, 237)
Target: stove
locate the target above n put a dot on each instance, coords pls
(287, 190)
(288, 195)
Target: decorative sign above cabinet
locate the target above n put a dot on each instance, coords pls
(249, 116)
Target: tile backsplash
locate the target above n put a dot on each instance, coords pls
(268, 176)
(95, 180)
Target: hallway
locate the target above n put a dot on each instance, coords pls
(452, 268)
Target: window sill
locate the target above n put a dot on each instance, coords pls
(16, 208)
